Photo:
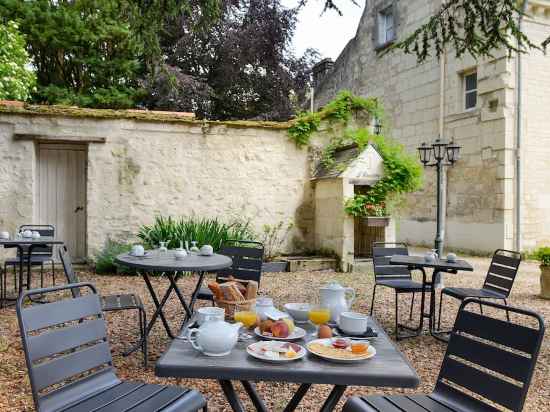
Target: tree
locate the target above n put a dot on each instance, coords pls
(243, 63)
(16, 80)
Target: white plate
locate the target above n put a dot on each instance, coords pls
(297, 333)
(370, 352)
(254, 351)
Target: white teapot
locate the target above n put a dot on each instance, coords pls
(215, 337)
(333, 297)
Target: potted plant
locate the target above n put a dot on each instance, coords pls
(364, 206)
(273, 237)
(543, 256)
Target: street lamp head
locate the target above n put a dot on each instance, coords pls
(453, 152)
(425, 152)
(439, 147)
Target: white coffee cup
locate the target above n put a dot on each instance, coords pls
(451, 257)
(138, 250)
(353, 323)
(211, 312)
(180, 254)
(4, 235)
(207, 250)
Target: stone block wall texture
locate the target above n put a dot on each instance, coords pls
(149, 168)
(480, 188)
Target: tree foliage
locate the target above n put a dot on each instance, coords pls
(242, 67)
(16, 80)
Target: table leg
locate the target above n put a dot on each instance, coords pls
(435, 333)
(173, 278)
(418, 330)
(21, 254)
(297, 397)
(333, 398)
(231, 396)
(159, 306)
(254, 397)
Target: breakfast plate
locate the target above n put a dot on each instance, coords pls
(277, 352)
(324, 348)
(297, 333)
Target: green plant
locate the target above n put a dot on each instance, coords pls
(338, 110)
(363, 205)
(16, 80)
(105, 259)
(273, 237)
(203, 230)
(542, 255)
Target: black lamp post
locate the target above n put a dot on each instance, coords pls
(443, 154)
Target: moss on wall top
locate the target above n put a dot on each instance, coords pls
(147, 116)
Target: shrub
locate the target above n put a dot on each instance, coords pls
(105, 259)
(203, 230)
(542, 255)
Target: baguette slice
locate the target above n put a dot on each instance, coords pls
(230, 292)
(251, 289)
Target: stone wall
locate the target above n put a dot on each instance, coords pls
(242, 170)
(480, 185)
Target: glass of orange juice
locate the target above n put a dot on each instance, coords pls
(248, 319)
(318, 315)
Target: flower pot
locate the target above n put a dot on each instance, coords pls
(379, 221)
(275, 266)
(545, 282)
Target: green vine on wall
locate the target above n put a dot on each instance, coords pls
(338, 110)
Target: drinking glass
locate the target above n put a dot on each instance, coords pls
(318, 315)
(248, 319)
(163, 249)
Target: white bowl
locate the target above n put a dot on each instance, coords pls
(298, 311)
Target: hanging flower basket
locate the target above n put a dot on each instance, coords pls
(378, 221)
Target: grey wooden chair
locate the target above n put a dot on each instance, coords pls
(396, 277)
(247, 263)
(498, 282)
(39, 257)
(489, 358)
(70, 365)
(111, 303)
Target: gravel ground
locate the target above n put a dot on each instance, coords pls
(424, 353)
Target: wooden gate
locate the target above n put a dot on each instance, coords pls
(61, 193)
(365, 236)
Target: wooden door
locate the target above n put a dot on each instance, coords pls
(61, 193)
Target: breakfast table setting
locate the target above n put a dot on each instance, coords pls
(305, 343)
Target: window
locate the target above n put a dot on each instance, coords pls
(386, 30)
(470, 90)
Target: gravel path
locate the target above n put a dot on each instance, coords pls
(425, 353)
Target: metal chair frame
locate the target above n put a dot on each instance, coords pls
(111, 303)
(69, 361)
(489, 357)
(384, 271)
(500, 279)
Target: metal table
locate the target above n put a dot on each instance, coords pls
(156, 262)
(387, 368)
(25, 246)
(438, 266)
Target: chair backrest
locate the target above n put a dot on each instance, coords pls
(65, 345)
(247, 259)
(381, 255)
(44, 230)
(67, 263)
(502, 272)
(489, 357)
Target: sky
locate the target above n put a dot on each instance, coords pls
(328, 33)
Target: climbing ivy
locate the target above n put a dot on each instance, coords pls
(338, 110)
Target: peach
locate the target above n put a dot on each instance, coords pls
(280, 329)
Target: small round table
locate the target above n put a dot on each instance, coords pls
(155, 261)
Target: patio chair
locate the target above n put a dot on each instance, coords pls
(396, 277)
(70, 365)
(488, 357)
(498, 282)
(40, 255)
(110, 303)
(247, 263)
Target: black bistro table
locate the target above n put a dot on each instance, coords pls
(438, 266)
(25, 246)
(173, 269)
(388, 368)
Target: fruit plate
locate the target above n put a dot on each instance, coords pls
(297, 333)
(331, 354)
(270, 351)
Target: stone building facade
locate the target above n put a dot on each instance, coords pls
(476, 104)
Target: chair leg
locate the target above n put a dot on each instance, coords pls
(481, 308)
(372, 302)
(507, 312)
(42, 275)
(143, 333)
(440, 304)
(53, 273)
(396, 317)
(412, 306)
(14, 278)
